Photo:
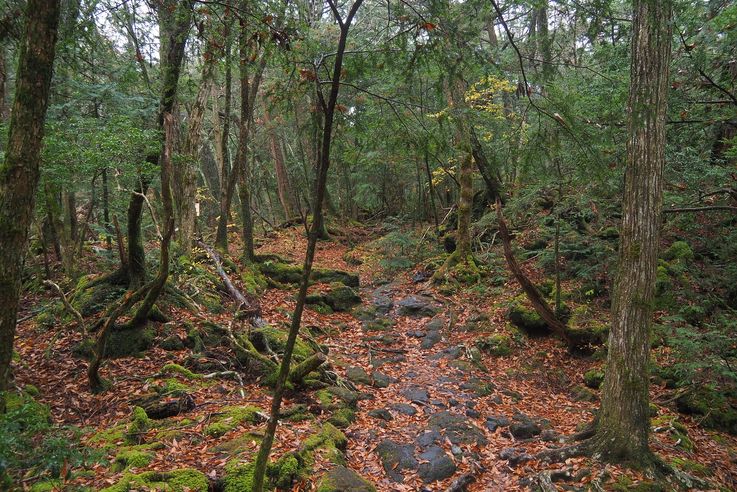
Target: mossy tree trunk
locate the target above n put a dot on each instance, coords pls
(19, 173)
(623, 422)
(227, 173)
(329, 109)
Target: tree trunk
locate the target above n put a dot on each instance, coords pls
(265, 448)
(623, 422)
(19, 173)
(185, 174)
(282, 177)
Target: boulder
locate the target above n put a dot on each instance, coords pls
(395, 458)
(458, 429)
(342, 479)
(436, 465)
(417, 307)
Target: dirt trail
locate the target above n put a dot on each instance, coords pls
(431, 412)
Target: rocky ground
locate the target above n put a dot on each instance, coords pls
(427, 389)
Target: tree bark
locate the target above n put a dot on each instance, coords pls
(623, 422)
(19, 173)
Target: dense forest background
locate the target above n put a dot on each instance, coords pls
(467, 162)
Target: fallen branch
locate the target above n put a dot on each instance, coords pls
(538, 302)
(248, 308)
(67, 305)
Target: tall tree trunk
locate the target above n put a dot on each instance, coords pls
(282, 177)
(623, 421)
(226, 192)
(3, 85)
(185, 174)
(106, 209)
(244, 171)
(329, 107)
(19, 173)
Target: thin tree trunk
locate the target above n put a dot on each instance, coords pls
(265, 448)
(19, 173)
(226, 192)
(623, 422)
(106, 208)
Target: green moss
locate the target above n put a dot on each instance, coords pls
(253, 280)
(230, 418)
(675, 429)
(497, 345)
(89, 300)
(128, 342)
(679, 250)
(285, 471)
(342, 418)
(47, 486)
(139, 425)
(277, 340)
(593, 378)
(284, 273)
(338, 297)
(626, 484)
(176, 368)
(585, 331)
(327, 436)
(133, 457)
(109, 438)
(184, 480)
(342, 479)
(172, 387)
(238, 477)
(690, 466)
(526, 318)
(715, 410)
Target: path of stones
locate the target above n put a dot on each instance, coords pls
(424, 422)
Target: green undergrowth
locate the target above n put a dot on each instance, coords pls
(184, 480)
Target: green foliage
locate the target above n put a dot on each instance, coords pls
(30, 445)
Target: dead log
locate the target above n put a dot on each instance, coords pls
(157, 409)
(301, 370)
(538, 302)
(248, 308)
(80, 321)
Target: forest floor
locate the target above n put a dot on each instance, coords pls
(431, 405)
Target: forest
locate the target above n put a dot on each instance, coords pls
(368, 245)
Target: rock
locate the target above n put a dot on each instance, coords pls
(415, 393)
(436, 465)
(403, 408)
(593, 378)
(428, 438)
(457, 428)
(431, 339)
(478, 386)
(381, 299)
(395, 458)
(380, 361)
(435, 324)
(582, 393)
(342, 479)
(472, 413)
(382, 380)
(381, 413)
(357, 375)
(339, 297)
(493, 422)
(525, 430)
(417, 307)
(416, 334)
(420, 276)
(171, 343)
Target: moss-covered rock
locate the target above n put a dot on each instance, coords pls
(238, 476)
(342, 479)
(184, 480)
(134, 456)
(678, 251)
(342, 418)
(525, 318)
(585, 332)
(336, 397)
(284, 273)
(497, 345)
(338, 297)
(715, 411)
(231, 417)
(593, 378)
(129, 341)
